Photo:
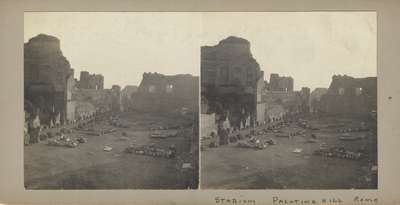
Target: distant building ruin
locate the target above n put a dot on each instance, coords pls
(278, 83)
(283, 103)
(90, 81)
(348, 95)
(103, 100)
(315, 99)
(126, 96)
(281, 100)
(129, 90)
(166, 93)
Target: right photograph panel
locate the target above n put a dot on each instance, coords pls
(289, 100)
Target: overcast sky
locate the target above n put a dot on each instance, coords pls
(309, 46)
(123, 45)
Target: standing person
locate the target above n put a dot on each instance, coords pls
(35, 130)
(223, 133)
(26, 128)
(26, 133)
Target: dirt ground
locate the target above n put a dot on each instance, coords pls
(277, 167)
(89, 167)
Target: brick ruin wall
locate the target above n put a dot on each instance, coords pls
(46, 74)
(166, 93)
(102, 100)
(348, 95)
(50, 88)
(230, 77)
(279, 103)
(315, 98)
(280, 83)
(90, 81)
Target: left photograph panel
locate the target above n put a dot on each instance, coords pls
(111, 100)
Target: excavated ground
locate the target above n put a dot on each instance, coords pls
(278, 167)
(88, 166)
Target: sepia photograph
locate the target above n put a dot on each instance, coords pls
(289, 100)
(111, 100)
(184, 102)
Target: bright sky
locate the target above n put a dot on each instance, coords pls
(309, 46)
(123, 45)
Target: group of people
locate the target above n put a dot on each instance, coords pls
(34, 128)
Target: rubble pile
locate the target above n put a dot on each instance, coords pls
(66, 131)
(305, 125)
(114, 121)
(172, 127)
(107, 149)
(164, 135)
(290, 134)
(356, 129)
(64, 141)
(348, 137)
(81, 140)
(255, 143)
(338, 152)
(107, 131)
(152, 150)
